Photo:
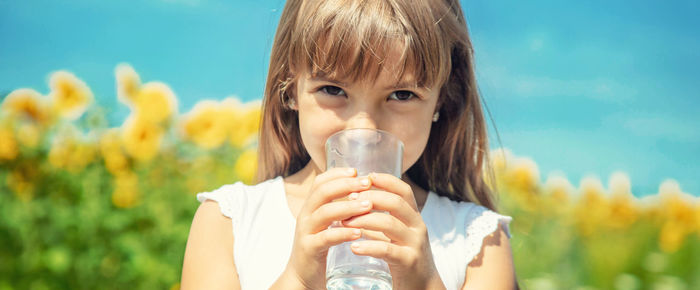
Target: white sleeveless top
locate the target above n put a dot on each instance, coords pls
(263, 231)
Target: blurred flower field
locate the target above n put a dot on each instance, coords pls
(595, 237)
(86, 205)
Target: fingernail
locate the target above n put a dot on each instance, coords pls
(353, 196)
(365, 203)
(355, 245)
(356, 232)
(351, 171)
(364, 181)
(372, 175)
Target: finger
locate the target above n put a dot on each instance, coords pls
(333, 189)
(385, 223)
(374, 235)
(334, 173)
(391, 253)
(329, 237)
(322, 217)
(395, 185)
(394, 205)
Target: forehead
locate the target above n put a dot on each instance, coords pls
(352, 42)
(387, 66)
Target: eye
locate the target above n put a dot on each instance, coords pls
(333, 91)
(402, 95)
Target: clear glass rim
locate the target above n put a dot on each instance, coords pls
(381, 132)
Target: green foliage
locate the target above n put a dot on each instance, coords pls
(69, 234)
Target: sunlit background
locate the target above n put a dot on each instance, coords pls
(114, 115)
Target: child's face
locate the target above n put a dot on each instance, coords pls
(328, 106)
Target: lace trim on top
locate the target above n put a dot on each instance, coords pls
(224, 197)
(482, 222)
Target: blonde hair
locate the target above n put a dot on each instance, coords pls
(350, 39)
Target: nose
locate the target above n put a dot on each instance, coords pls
(362, 119)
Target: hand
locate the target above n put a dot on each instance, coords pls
(313, 237)
(406, 247)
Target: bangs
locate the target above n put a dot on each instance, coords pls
(357, 40)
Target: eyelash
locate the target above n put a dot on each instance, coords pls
(324, 89)
(411, 96)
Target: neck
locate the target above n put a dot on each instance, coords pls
(301, 181)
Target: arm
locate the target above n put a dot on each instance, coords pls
(493, 267)
(209, 254)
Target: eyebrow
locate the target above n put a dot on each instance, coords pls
(324, 79)
(403, 84)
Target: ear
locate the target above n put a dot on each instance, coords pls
(288, 93)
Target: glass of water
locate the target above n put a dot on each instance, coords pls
(367, 150)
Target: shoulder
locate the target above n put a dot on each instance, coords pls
(478, 239)
(232, 198)
(478, 221)
(209, 254)
(473, 225)
(493, 267)
(488, 251)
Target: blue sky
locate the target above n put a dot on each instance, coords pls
(582, 87)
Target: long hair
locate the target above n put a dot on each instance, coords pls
(350, 39)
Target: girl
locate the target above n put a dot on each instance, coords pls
(402, 66)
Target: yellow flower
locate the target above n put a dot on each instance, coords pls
(558, 188)
(27, 103)
(141, 138)
(697, 215)
(619, 184)
(500, 158)
(591, 188)
(523, 174)
(70, 95)
(246, 166)
(21, 182)
(651, 208)
(498, 163)
(679, 212)
(672, 237)
(623, 209)
(126, 192)
(557, 195)
(82, 155)
(59, 152)
(128, 83)
(155, 102)
(71, 151)
(8, 145)
(112, 153)
(521, 178)
(678, 205)
(29, 135)
(669, 188)
(592, 208)
(243, 121)
(204, 125)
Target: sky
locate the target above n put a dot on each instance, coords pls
(584, 88)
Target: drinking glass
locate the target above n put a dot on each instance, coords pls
(367, 150)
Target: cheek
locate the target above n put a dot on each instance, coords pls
(315, 127)
(415, 137)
